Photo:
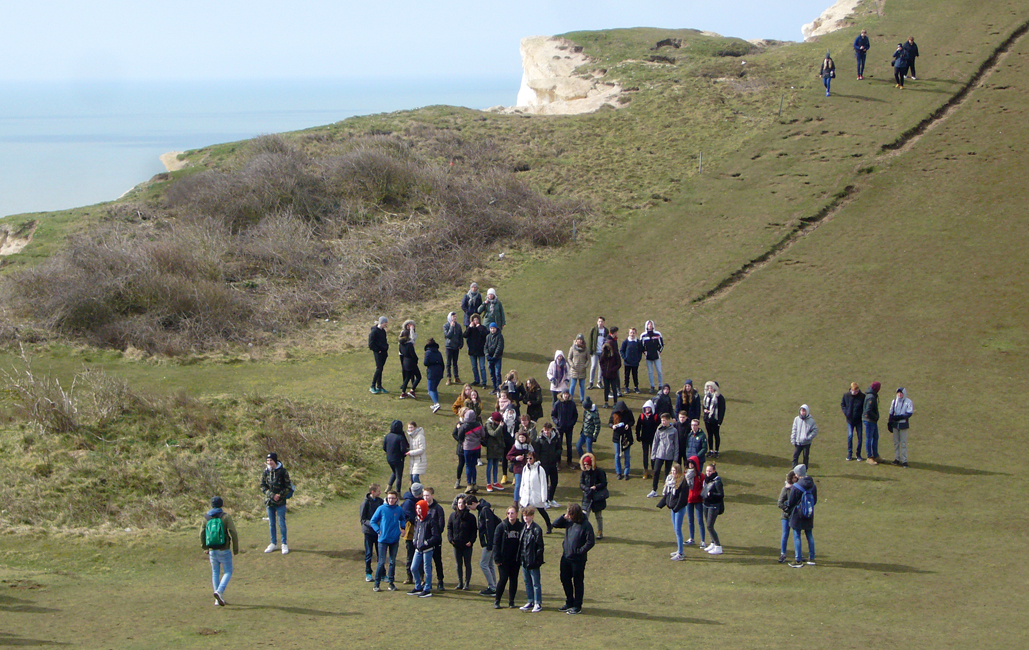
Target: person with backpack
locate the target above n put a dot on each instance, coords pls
(396, 446)
(784, 506)
(219, 539)
(487, 523)
(453, 337)
(714, 504)
(277, 488)
(801, 506)
(803, 433)
(531, 557)
(388, 522)
(371, 503)
(379, 346)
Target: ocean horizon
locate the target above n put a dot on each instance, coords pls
(72, 144)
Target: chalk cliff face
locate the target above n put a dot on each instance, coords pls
(832, 19)
(549, 85)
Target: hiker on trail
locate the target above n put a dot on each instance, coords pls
(492, 311)
(453, 337)
(387, 522)
(531, 557)
(593, 483)
(803, 433)
(622, 423)
(653, 345)
(610, 365)
(495, 355)
(714, 504)
(276, 487)
(912, 53)
(688, 399)
(505, 553)
(590, 428)
(646, 426)
(803, 497)
(565, 415)
(379, 346)
(632, 354)
(870, 418)
(665, 450)
(900, 65)
(433, 371)
(476, 335)
(784, 506)
(579, 539)
(595, 344)
(675, 495)
(695, 503)
(218, 537)
(487, 525)
(713, 408)
(408, 360)
(852, 404)
(470, 303)
(557, 373)
(371, 503)
(861, 46)
(462, 530)
(578, 359)
(395, 446)
(901, 410)
(828, 72)
(438, 515)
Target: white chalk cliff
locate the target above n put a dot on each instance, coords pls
(831, 20)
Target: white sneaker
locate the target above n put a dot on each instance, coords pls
(526, 607)
(652, 494)
(271, 548)
(555, 504)
(714, 550)
(704, 545)
(674, 553)
(285, 549)
(677, 558)
(219, 599)
(537, 608)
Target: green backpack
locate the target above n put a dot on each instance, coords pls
(214, 533)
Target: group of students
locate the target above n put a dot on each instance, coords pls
(903, 62)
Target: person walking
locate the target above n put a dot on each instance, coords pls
(505, 553)
(219, 539)
(610, 365)
(632, 354)
(395, 446)
(471, 302)
(852, 404)
(277, 488)
(664, 452)
(492, 311)
(531, 557)
(646, 426)
(578, 359)
(453, 337)
(593, 483)
(622, 423)
(475, 334)
(803, 497)
(803, 433)
(379, 345)
(714, 504)
(900, 65)
(653, 345)
(557, 373)
(408, 361)
(911, 50)
(487, 523)
(595, 344)
(713, 407)
(495, 355)
(434, 371)
(462, 530)
(578, 541)
(861, 46)
(784, 507)
(565, 415)
(369, 505)
(870, 418)
(388, 521)
(901, 410)
(675, 495)
(426, 538)
(828, 72)
(590, 429)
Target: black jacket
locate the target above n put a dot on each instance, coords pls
(494, 344)
(853, 406)
(275, 481)
(368, 508)
(408, 355)
(426, 534)
(462, 528)
(476, 337)
(626, 418)
(530, 547)
(453, 335)
(533, 402)
(564, 414)
(688, 403)
(377, 342)
(797, 522)
(488, 523)
(676, 499)
(439, 516)
(579, 538)
(594, 477)
(505, 542)
(548, 451)
(646, 426)
(713, 493)
(395, 443)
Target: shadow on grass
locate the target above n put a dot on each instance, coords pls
(302, 611)
(955, 469)
(753, 458)
(640, 616)
(14, 641)
(863, 477)
(751, 499)
(633, 542)
(528, 357)
(22, 606)
(758, 555)
(613, 506)
(352, 554)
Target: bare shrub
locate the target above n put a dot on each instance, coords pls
(41, 398)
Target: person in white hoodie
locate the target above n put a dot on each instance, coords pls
(804, 431)
(534, 488)
(416, 451)
(901, 410)
(557, 373)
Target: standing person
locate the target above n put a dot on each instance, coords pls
(395, 446)
(632, 354)
(218, 537)
(462, 529)
(593, 483)
(610, 364)
(622, 423)
(565, 416)
(852, 404)
(912, 53)
(696, 444)
(458, 406)
(470, 303)
(861, 46)
(803, 433)
(276, 487)
(476, 335)
(784, 506)
(505, 553)
(492, 311)
(595, 344)
(803, 497)
(533, 399)
(438, 515)
(495, 450)
(682, 428)
(379, 345)
(409, 501)
(495, 355)
(579, 539)
(516, 459)
(695, 502)
(434, 371)
(665, 450)
(416, 451)
(471, 434)
(688, 399)
(900, 65)
(901, 410)
(487, 526)
(578, 366)
(714, 505)
(590, 428)
(646, 426)
(557, 373)
(828, 72)
(426, 537)
(713, 408)
(408, 361)
(530, 555)
(675, 495)
(387, 522)
(653, 345)
(870, 418)
(533, 492)
(548, 450)
(371, 503)
(663, 402)
(453, 337)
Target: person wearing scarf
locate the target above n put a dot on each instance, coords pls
(557, 373)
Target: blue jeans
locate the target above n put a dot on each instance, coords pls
(533, 588)
(584, 440)
(582, 388)
(517, 486)
(371, 546)
(386, 548)
(421, 569)
(622, 456)
(478, 369)
(872, 439)
(851, 430)
(471, 459)
(434, 390)
(785, 536)
(826, 81)
(221, 569)
(810, 544)
(416, 478)
(696, 509)
(677, 518)
(495, 364)
(492, 471)
(860, 56)
(280, 513)
(651, 367)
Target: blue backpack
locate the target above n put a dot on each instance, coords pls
(807, 502)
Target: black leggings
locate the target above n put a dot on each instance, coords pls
(543, 513)
(646, 453)
(414, 375)
(898, 76)
(635, 372)
(567, 433)
(380, 362)
(452, 356)
(437, 557)
(552, 476)
(460, 462)
(463, 555)
(611, 388)
(714, 437)
(506, 574)
(397, 476)
(658, 475)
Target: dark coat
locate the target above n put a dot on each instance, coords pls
(564, 414)
(470, 305)
(275, 481)
(505, 542)
(852, 407)
(548, 451)
(579, 538)
(495, 344)
(427, 534)
(434, 365)
(462, 528)
(530, 547)
(487, 522)
(534, 402)
(594, 477)
(646, 425)
(368, 508)
(870, 413)
(675, 499)
(476, 337)
(797, 522)
(713, 494)
(610, 360)
(453, 336)
(624, 417)
(662, 405)
(377, 341)
(408, 355)
(689, 403)
(632, 352)
(395, 443)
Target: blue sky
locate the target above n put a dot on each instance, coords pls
(58, 40)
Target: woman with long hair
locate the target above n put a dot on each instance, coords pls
(674, 495)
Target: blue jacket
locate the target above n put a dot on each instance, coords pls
(632, 352)
(387, 522)
(861, 44)
(433, 362)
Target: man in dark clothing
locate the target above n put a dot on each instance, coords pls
(548, 450)
(801, 521)
(437, 513)
(276, 486)
(371, 503)
(476, 335)
(610, 365)
(379, 346)
(471, 302)
(870, 418)
(565, 415)
(853, 405)
(505, 553)
(861, 46)
(579, 539)
(495, 355)
(487, 523)
(396, 447)
(912, 53)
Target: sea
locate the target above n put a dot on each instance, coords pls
(71, 144)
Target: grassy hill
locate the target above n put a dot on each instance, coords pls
(873, 235)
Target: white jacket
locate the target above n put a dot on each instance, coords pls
(533, 491)
(419, 459)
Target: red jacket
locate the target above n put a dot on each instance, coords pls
(698, 482)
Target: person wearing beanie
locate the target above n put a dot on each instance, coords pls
(453, 336)
(471, 302)
(801, 509)
(664, 403)
(495, 355)
(688, 399)
(277, 488)
(219, 539)
(901, 410)
(870, 418)
(379, 346)
(653, 345)
(437, 513)
(713, 408)
(852, 404)
(492, 311)
(900, 65)
(803, 433)
(565, 415)
(433, 362)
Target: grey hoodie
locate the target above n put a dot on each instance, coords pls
(804, 428)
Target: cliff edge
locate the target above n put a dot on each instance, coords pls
(831, 20)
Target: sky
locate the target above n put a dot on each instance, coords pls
(136, 40)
